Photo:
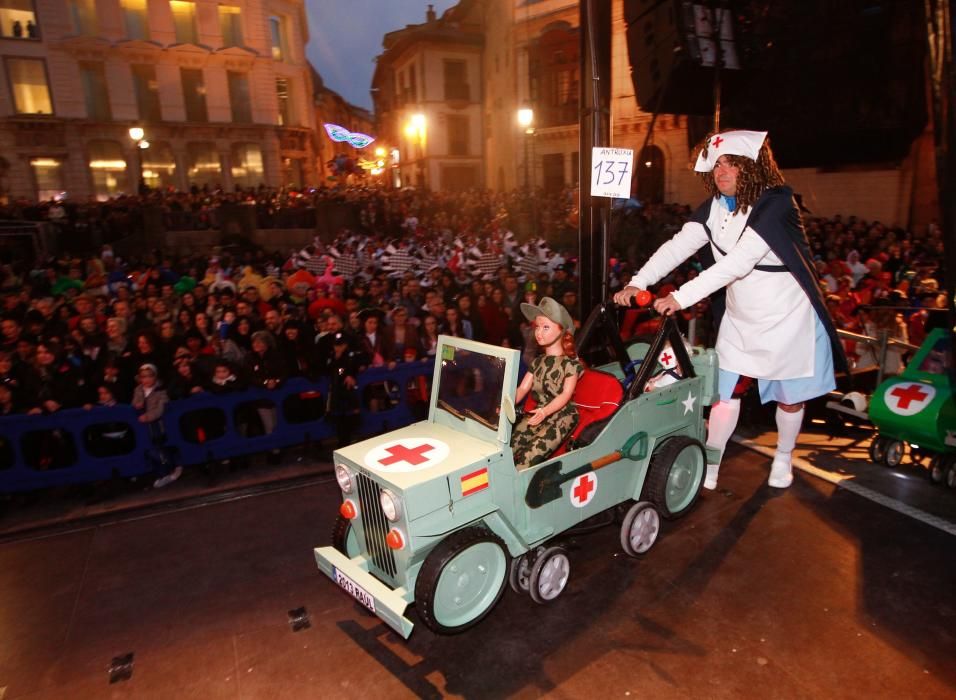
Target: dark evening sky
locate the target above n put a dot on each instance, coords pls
(346, 36)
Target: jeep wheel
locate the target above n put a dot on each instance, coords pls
(549, 575)
(461, 580)
(675, 475)
(640, 529)
(344, 538)
(937, 469)
(519, 573)
(877, 449)
(894, 453)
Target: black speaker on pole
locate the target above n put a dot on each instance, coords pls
(673, 48)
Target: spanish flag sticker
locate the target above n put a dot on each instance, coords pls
(474, 482)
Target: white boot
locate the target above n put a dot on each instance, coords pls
(720, 426)
(788, 428)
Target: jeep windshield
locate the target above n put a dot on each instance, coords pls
(471, 383)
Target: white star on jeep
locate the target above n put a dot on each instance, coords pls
(689, 403)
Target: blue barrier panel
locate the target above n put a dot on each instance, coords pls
(403, 387)
(207, 427)
(78, 445)
(72, 446)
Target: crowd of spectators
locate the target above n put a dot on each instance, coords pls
(876, 279)
(204, 208)
(85, 330)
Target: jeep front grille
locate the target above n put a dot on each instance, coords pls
(375, 525)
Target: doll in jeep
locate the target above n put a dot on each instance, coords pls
(551, 380)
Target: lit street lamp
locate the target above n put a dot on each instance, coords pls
(415, 130)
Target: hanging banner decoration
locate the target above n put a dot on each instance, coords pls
(611, 172)
(354, 138)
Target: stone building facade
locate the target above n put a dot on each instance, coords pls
(531, 60)
(428, 98)
(221, 91)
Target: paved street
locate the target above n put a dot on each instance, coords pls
(814, 592)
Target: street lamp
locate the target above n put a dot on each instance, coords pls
(138, 135)
(415, 130)
(525, 117)
(525, 120)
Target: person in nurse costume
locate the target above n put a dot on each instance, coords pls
(773, 324)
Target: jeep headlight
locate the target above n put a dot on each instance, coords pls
(344, 477)
(391, 505)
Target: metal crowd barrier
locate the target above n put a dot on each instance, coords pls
(78, 445)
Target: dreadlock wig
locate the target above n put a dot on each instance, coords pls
(752, 179)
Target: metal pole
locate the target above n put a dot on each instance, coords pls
(884, 336)
(718, 17)
(527, 163)
(594, 130)
(942, 48)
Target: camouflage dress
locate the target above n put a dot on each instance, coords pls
(532, 445)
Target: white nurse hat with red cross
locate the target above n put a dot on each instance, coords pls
(730, 143)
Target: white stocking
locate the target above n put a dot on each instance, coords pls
(722, 423)
(788, 429)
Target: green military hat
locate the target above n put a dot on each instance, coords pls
(550, 309)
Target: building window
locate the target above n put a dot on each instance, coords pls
(95, 91)
(28, 82)
(552, 171)
(108, 168)
(159, 165)
(184, 19)
(247, 168)
(136, 19)
(203, 166)
(403, 92)
(239, 97)
(456, 80)
(457, 135)
(284, 95)
(84, 17)
(458, 178)
(554, 77)
(650, 183)
(277, 30)
(48, 174)
(412, 84)
(194, 94)
(147, 92)
(230, 22)
(18, 20)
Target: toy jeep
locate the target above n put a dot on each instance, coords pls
(918, 407)
(437, 515)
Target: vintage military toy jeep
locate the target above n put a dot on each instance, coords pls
(918, 407)
(437, 515)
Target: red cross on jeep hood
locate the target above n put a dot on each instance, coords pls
(418, 453)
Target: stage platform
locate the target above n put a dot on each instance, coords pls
(810, 592)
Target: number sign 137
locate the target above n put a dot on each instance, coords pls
(611, 172)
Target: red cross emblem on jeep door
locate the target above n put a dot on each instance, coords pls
(908, 398)
(583, 489)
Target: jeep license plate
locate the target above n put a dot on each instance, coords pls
(355, 590)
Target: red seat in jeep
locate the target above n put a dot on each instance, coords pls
(597, 396)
